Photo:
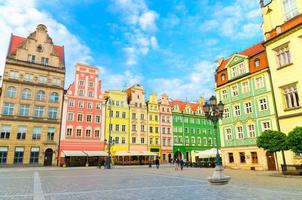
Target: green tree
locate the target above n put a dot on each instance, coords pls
(273, 141)
(294, 140)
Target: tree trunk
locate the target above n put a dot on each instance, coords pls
(284, 162)
(277, 163)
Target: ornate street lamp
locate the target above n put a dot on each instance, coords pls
(213, 112)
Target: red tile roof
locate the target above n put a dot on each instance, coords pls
(194, 106)
(250, 52)
(182, 105)
(16, 41)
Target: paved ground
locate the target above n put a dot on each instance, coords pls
(145, 183)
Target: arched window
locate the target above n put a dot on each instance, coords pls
(11, 92)
(26, 93)
(39, 48)
(40, 96)
(54, 97)
(222, 77)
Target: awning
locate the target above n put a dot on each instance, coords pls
(135, 153)
(210, 153)
(73, 153)
(96, 153)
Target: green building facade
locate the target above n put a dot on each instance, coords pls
(192, 132)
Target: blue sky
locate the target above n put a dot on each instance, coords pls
(167, 45)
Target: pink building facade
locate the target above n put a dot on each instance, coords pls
(165, 114)
(82, 133)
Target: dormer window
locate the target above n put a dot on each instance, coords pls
(290, 9)
(39, 48)
(222, 77)
(241, 69)
(257, 62)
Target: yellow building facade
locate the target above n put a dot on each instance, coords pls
(153, 125)
(31, 100)
(117, 121)
(282, 29)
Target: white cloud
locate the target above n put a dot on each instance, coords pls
(21, 18)
(239, 20)
(118, 80)
(141, 25)
(195, 84)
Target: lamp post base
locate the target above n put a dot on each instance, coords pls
(218, 177)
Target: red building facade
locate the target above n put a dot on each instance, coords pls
(82, 135)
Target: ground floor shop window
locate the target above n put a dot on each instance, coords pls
(19, 155)
(164, 156)
(242, 157)
(3, 155)
(231, 158)
(254, 157)
(34, 155)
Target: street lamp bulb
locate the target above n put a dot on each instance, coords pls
(213, 101)
(206, 107)
(220, 106)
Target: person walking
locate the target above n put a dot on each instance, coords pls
(157, 163)
(176, 164)
(181, 162)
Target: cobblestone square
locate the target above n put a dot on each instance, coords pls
(142, 183)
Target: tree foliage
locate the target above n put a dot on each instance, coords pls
(272, 141)
(294, 140)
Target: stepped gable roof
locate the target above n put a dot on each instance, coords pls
(250, 52)
(16, 41)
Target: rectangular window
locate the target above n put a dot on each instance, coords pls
(237, 110)
(24, 110)
(234, 72)
(79, 132)
(69, 131)
(5, 132)
(42, 79)
(56, 82)
(36, 133)
(133, 127)
(259, 82)
(239, 132)
(241, 69)
(142, 128)
(164, 142)
(97, 133)
(228, 133)
(251, 129)
(254, 157)
(156, 129)
(224, 94)
(117, 127)
(226, 113)
(51, 134)
(18, 158)
(235, 91)
(168, 130)
(231, 157)
(266, 126)
(123, 140)
(117, 114)
(44, 61)
(117, 140)
(34, 155)
(123, 128)
(13, 75)
(97, 119)
(3, 155)
(28, 77)
(245, 87)
(39, 111)
(8, 109)
(70, 116)
(52, 112)
(156, 141)
(242, 157)
(263, 104)
(88, 118)
(291, 97)
(80, 117)
(133, 140)
(110, 127)
(71, 103)
(90, 93)
(290, 9)
(142, 140)
(89, 105)
(151, 141)
(81, 92)
(133, 116)
(124, 115)
(151, 129)
(21, 134)
(142, 116)
(248, 107)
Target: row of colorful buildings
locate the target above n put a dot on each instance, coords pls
(43, 124)
(261, 89)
